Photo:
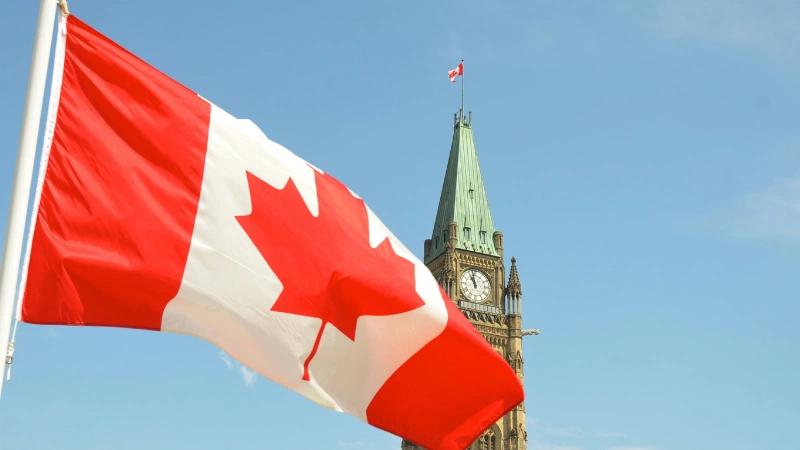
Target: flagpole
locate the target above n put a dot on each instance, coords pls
(26, 153)
(462, 89)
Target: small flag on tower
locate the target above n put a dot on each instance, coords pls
(455, 72)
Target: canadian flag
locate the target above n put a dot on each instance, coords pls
(157, 210)
(452, 74)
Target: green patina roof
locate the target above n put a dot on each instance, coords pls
(463, 198)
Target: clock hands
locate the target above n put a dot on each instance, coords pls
(473, 281)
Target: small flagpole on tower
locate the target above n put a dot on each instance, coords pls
(462, 89)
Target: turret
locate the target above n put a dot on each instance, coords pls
(497, 238)
(514, 298)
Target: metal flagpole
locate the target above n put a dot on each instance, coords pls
(462, 89)
(26, 152)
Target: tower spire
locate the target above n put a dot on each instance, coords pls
(463, 201)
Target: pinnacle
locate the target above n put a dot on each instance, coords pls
(514, 286)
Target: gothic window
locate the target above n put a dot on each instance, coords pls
(471, 192)
(436, 245)
(487, 442)
(483, 237)
(466, 233)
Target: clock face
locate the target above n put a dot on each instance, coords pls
(475, 285)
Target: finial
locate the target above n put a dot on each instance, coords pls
(513, 260)
(470, 117)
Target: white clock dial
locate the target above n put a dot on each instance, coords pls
(475, 285)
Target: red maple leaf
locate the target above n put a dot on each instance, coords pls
(325, 263)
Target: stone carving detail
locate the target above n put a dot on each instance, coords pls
(516, 361)
(499, 320)
(478, 261)
(513, 434)
(447, 276)
(497, 342)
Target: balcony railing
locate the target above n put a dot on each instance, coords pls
(479, 307)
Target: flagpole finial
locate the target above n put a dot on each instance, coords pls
(64, 7)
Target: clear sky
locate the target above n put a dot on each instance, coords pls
(640, 157)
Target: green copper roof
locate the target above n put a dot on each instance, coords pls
(463, 199)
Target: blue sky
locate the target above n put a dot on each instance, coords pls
(641, 158)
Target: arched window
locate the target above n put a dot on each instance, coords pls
(487, 441)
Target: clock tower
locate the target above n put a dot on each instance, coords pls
(465, 254)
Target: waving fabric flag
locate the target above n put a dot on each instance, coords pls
(452, 74)
(157, 210)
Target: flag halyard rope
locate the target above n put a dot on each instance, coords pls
(10, 351)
